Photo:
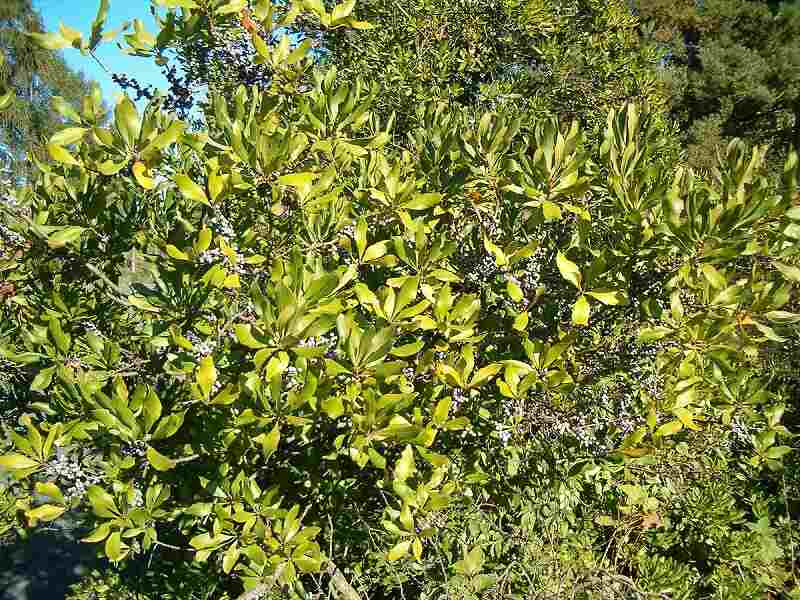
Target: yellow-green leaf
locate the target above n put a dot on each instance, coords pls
(569, 270)
(408, 349)
(16, 462)
(521, 322)
(158, 461)
(190, 190)
(175, 253)
(206, 375)
(50, 490)
(610, 297)
(44, 513)
(514, 291)
(580, 311)
(61, 154)
(245, 337)
(333, 407)
(551, 210)
(669, 428)
(399, 551)
(140, 174)
(423, 201)
(99, 534)
(70, 135)
(115, 549)
(406, 466)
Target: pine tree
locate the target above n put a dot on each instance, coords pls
(36, 75)
(734, 70)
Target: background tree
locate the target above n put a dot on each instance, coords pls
(36, 75)
(733, 71)
(572, 58)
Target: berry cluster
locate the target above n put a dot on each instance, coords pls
(70, 470)
(201, 347)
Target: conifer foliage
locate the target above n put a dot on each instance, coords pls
(40, 80)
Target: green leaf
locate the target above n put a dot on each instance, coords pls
(190, 190)
(609, 297)
(206, 375)
(61, 155)
(580, 311)
(244, 336)
(399, 551)
(126, 118)
(272, 440)
(99, 534)
(473, 561)
(61, 339)
(158, 461)
(205, 541)
(151, 409)
(142, 304)
(44, 513)
(168, 426)
(374, 252)
(514, 291)
(442, 411)
(653, 334)
(43, 379)
(175, 253)
(203, 241)
(50, 490)
(68, 136)
(115, 549)
(51, 41)
(778, 452)
(768, 332)
(376, 459)
(669, 428)
(790, 272)
(423, 201)
(782, 317)
(102, 502)
(233, 6)
(16, 462)
(499, 256)
(713, 276)
(569, 270)
(64, 236)
(405, 467)
(552, 212)
(333, 407)
(408, 349)
(302, 181)
(485, 374)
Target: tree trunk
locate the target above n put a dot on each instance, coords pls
(691, 41)
(796, 131)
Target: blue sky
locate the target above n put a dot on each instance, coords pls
(79, 15)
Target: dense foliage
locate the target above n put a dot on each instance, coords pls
(494, 357)
(41, 81)
(576, 59)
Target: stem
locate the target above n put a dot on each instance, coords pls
(99, 62)
(262, 589)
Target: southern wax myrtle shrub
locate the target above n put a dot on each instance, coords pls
(278, 341)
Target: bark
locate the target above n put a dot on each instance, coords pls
(691, 41)
(796, 131)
